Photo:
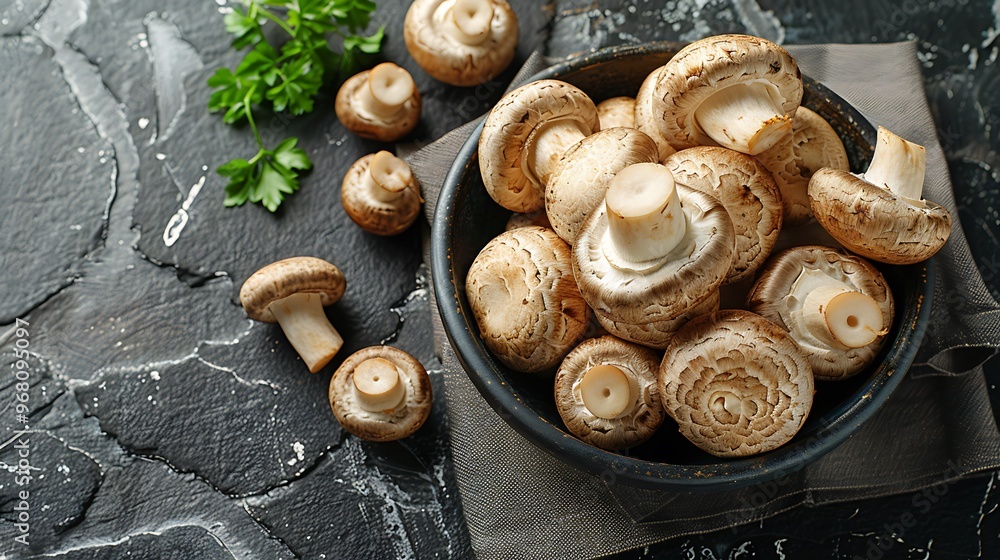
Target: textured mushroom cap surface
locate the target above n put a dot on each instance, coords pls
(536, 218)
(390, 425)
(585, 171)
(658, 290)
(875, 223)
(706, 66)
(812, 145)
(525, 300)
(734, 356)
(506, 132)
(658, 334)
(748, 192)
(286, 277)
(452, 61)
(770, 297)
(365, 124)
(372, 214)
(637, 362)
(617, 111)
(645, 118)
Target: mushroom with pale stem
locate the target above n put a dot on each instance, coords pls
(617, 111)
(881, 214)
(381, 393)
(812, 145)
(836, 306)
(525, 300)
(736, 384)
(736, 91)
(293, 293)
(584, 172)
(749, 194)
(654, 250)
(461, 42)
(524, 136)
(380, 194)
(606, 393)
(379, 104)
(658, 334)
(644, 115)
(536, 218)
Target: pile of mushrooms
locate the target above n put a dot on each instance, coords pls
(650, 211)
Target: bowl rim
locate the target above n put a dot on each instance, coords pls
(611, 467)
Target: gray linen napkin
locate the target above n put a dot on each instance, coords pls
(521, 503)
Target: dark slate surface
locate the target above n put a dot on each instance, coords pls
(167, 425)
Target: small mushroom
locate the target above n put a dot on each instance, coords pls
(736, 384)
(812, 145)
(381, 393)
(645, 118)
(525, 135)
(536, 218)
(653, 250)
(881, 214)
(736, 91)
(606, 393)
(461, 42)
(836, 306)
(525, 300)
(293, 293)
(584, 172)
(379, 104)
(617, 111)
(658, 334)
(749, 194)
(381, 194)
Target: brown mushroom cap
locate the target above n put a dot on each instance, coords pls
(388, 425)
(771, 297)
(736, 384)
(584, 172)
(287, 277)
(658, 334)
(433, 42)
(507, 136)
(617, 111)
(525, 300)
(645, 117)
(388, 210)
(639, 364)
(747, 191)
(351, 111)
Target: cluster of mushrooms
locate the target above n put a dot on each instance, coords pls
(646, 213)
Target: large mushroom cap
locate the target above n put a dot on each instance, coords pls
(784, 284)
(507, 141)
(408, 398)
(736, 384)
(747, 191)
(630, 380)
(381, 194)
(617, 111)
(525, 300)
(658, 334)
(646, 118)
(461, 42)
(288, 277)
(387, 119)
(584, 172)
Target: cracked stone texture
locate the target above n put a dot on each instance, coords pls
(175, 543)
(15, 15)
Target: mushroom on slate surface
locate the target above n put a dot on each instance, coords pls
(524, 136)
(736, 384)
(836, 306)
(379, 104)
(461, 42)
(812, 145)
(736, 91)
(381, 393)
(748, 192)
(658, 334)
(617, 111)
(525, 300)
(646, 119)
(881, 214)
(584, 172)
(380, 194)
(293, 292)
(606, 393)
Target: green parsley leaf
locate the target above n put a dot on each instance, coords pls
(246, 29)
(355, 14)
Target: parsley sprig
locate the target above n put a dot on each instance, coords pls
(286, 79)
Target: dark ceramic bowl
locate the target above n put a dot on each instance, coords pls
(466, 219)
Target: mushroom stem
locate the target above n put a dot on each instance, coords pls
(388, 176)
(744, 117)
(470, 20)
(608, 392)
(378, 385)
(546, 144)
(389, 88)
(841, 316)
(897, 165)
(645, 219)
(305, 324)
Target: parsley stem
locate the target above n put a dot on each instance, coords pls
(281, 23)
(249, 113)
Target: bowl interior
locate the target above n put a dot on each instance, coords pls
(467, 218)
